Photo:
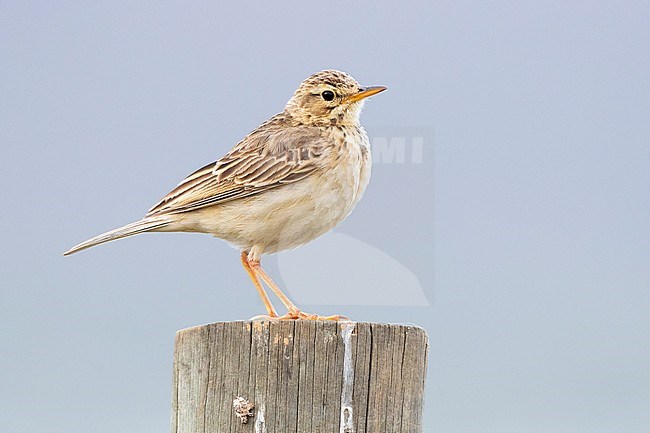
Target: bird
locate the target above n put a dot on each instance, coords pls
(289, 181)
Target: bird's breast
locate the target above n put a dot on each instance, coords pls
(350, 163)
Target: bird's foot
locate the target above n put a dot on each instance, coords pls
(300, 315)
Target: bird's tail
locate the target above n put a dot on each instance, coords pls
(135, 228)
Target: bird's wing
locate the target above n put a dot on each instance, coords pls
(269, 157)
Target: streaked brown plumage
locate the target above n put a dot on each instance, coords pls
(289, 181)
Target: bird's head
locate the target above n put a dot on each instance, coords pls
(328, 98)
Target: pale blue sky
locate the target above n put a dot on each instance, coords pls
(522, 233)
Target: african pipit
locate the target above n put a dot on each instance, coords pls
(289, 181)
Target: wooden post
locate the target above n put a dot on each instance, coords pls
(299, 377)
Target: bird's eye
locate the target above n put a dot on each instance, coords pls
(328, 95)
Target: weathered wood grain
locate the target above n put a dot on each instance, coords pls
(301, 376)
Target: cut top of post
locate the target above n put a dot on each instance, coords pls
(299, 376)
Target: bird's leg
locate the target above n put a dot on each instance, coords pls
(294, 312)
(257, 269)
(256, 281)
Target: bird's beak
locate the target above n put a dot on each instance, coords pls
(364, 92)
